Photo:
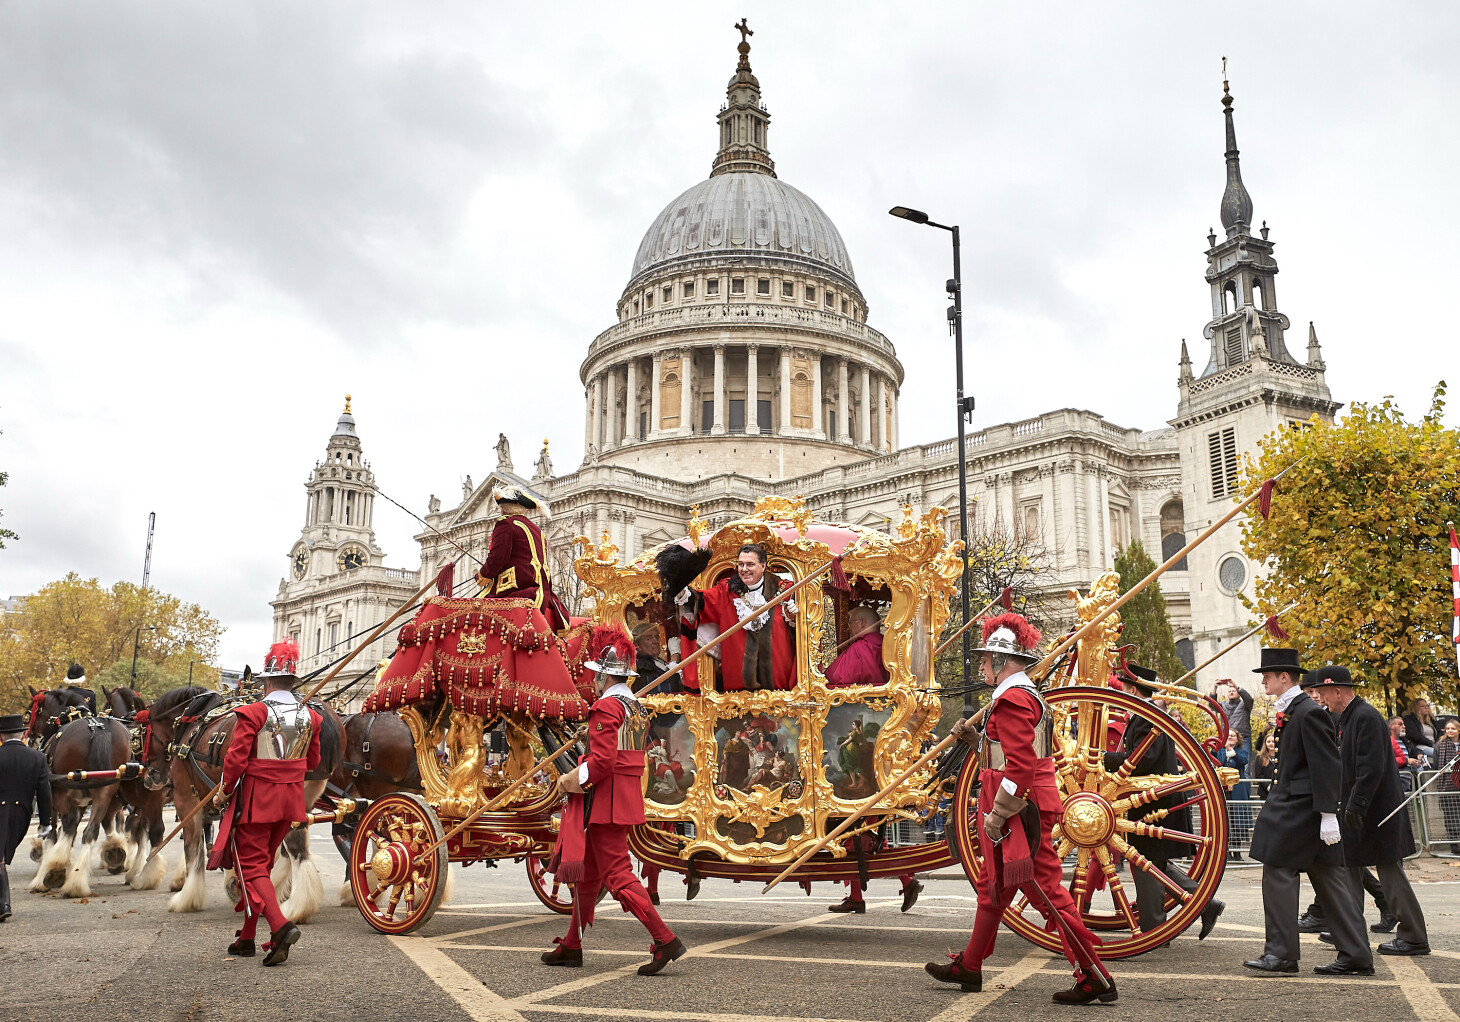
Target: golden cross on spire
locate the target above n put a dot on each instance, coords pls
(745, 30)
(347, 404)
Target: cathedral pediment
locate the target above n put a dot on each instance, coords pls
(478, 502)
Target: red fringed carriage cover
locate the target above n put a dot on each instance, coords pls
(486, 656)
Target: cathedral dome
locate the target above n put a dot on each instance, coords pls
(749, 214)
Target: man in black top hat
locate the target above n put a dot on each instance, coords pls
(25, 781)
(1160, 758)
(1369, 791)
(1298, 832)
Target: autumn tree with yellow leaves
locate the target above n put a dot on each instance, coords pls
(77, 620)
(1358, 538)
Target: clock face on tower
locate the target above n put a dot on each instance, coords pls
(350, 558)
(301, 561)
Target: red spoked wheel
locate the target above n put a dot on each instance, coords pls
(555, 895)
(396, 888)
(1102, 811)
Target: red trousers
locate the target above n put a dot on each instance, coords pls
(254, 847)
(854, 887)
(607, 865)
(1049, 876)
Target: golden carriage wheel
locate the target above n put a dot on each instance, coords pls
(555, 895)
(394, 888)
(1103, 809)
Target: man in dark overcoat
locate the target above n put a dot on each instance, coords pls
(25, 783)
(1298, 832)
(1369, 791)
(1160, 758)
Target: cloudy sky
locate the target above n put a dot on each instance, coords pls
(219, 218)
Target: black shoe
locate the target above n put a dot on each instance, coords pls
(1327, 938)
(279, 944)
(1309, 923)
(242, 947)
(572, 957)
(910, 894)
(1400, 946)
(692, 888)
(1343, 969)
(653, 897)
(954, 972)
(1385, 924)
(1209, 917)
(1272, 963)
(848, 905)
(1086, 989)
(663, 955)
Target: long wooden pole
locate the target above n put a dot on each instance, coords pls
(408, 605)
(965, 626)
(1065, 644)
(501, 798)
(1231, 646)
(764, 608)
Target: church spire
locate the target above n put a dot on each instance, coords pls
(744, 121)
(1236, 203)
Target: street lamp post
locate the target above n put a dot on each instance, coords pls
(136, 644)
(965, 414)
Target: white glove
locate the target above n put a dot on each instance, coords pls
(1328, 831)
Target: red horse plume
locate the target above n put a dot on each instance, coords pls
(1024, 633)
(615, 637)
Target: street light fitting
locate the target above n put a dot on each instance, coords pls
(917, 216)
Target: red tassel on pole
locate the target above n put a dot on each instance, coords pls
(1276, 630)
(839, 578)
(444, 581)
(1264, 502)
(1006, 598)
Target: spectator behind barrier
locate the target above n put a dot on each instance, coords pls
(1407, 764)
(1239, 810)
(1236, 702)
(1421, 729)
(1264, 766)
(1449, 783)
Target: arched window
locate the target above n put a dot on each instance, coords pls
(1259, 294)
(1173, 532)
(1229, 298)
(1186, 653)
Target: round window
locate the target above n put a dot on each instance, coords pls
(1232, 573)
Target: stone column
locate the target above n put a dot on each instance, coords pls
(752, 389)
(1106, 560)
(842, 423)
(892, 416)
(654, 413)
(785, 391)
(879, 424)
(587, 418)
(818, 413)
(610, 409)
(1092, 518)
(631, 403)
(864, 408)
(686, 391)
(598, 411)
(717, 427)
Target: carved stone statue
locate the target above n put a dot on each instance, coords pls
(504, 453)
(433, 506)
(1252, 324)
(544, 467)
(466, 488)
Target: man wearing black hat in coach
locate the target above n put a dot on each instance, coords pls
(1160, 758)
(1297, 830)
(1369, 791)
(25, 780)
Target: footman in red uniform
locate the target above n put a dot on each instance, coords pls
(605, 798)
(275, 742)
(1019, 803)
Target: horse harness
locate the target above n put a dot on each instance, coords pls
(217, 741)
(368, 767)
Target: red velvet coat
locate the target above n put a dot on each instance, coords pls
(1011, 722)
(859, 664)
(262, 790)
(615, 775)
(719, 610)
(515, 568)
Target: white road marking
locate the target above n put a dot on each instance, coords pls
(475, 997)
(970, 1005)
(447, 938)
(1422, 994)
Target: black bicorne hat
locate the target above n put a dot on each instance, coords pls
(1279, 660)
(1323, 677)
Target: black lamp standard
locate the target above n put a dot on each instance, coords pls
(136, 645)
(965, 415)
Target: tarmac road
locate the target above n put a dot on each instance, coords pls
(122, 955)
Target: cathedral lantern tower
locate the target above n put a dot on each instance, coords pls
(1251, 385)
(339, 508)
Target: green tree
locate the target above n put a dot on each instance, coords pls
(1144, 620)
(76, 619)
(1357, 536)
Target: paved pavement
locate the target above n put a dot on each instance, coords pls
(121, 955)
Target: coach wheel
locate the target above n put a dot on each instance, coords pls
(396, 888)
(1103, 809)
(549, 890)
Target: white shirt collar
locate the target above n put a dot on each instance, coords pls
(619, 689)
(282, 695)
(1285, 700)
(1016, 680)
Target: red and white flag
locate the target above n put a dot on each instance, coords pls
(1455, 589)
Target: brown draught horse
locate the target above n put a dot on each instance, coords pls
(88, 743)
(198, 740)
